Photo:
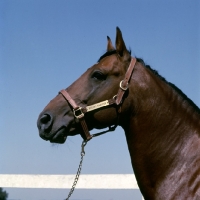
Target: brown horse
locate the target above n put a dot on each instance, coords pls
(162, 125)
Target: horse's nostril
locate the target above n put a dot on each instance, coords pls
(45, 123)
(45, 119)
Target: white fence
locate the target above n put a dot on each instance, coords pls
(97, 181)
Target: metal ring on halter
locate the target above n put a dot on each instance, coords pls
(122, 87)
(115, 97)
(78, 113)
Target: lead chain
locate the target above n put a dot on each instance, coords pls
(79, 170)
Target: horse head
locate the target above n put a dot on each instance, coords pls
(100, 82)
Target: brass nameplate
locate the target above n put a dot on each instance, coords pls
(97, 105)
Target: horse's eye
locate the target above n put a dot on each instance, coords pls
(99, 76)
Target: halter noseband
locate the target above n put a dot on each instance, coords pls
(117, 100)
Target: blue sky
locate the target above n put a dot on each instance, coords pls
(46, 45)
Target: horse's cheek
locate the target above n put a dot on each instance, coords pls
(110, 119)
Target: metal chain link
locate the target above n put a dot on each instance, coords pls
(79, 169)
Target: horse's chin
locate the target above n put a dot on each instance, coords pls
(59, 140)
(61, 135)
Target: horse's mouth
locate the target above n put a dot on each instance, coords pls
(59, 137)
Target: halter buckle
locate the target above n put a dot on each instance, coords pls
(122, 87)
(78, 113)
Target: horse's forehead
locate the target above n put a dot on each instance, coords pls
(108, 62)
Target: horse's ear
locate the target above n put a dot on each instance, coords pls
(120, 45)
(110, 46)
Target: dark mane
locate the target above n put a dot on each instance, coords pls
(172, 85)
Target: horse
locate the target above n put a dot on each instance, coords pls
(161, 124)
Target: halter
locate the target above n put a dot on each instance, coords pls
(79, 112)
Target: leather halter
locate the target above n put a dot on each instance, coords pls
(117, 100)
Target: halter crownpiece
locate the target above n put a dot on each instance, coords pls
(79, 112)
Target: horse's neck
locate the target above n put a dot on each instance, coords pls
(163, 138)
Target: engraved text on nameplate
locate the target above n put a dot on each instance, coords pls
(97, 105)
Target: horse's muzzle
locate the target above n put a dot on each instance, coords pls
(45, 123)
